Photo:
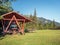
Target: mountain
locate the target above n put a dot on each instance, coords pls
(43, 20)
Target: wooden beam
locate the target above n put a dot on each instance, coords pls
(16, 19)
(9, 24)
(17, 23)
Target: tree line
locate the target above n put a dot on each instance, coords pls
(38, 24)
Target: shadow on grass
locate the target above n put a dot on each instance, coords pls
(1, 36)
(29, 31)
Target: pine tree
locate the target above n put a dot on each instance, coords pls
(35, 19)
(52, 24)
(5, 6)
(35, 15)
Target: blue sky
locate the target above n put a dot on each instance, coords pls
(49, 9)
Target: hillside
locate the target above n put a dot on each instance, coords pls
(43, 20)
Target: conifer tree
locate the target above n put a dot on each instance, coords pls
(5, 6)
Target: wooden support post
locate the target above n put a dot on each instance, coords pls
(3, 22)
(3, 25)
(22, 28)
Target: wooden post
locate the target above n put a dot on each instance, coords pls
(22, 28)
(3, 22)
(3, 25)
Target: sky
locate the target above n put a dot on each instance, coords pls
(49, 9)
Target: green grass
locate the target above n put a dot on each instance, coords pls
(40, 37)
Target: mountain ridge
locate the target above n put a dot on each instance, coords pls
(47, 20)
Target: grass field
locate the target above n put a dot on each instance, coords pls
(40, 37)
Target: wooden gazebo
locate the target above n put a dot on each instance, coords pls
(13, 22)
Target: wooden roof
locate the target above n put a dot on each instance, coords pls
(18, 16)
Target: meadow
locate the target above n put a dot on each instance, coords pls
(38, 37)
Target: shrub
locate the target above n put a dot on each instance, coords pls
(26, 30)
